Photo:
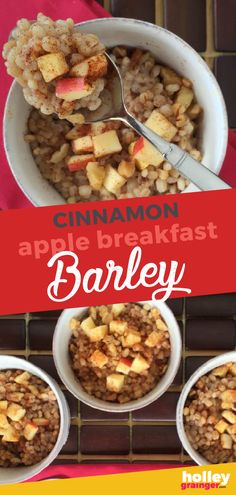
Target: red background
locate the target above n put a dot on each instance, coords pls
(210, 264)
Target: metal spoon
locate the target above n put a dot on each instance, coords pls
(113, 108)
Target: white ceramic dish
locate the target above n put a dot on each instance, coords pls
(19, 474)
(61, 339)
(169, 49)
(203, 370)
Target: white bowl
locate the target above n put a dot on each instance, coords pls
(169, 49)
(61, 339)
(19, 474)
(203, 370)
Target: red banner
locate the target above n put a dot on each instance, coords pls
(130, 250)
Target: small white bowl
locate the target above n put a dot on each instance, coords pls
(61, 339)
(203, 370)
(19, 474)
(169, 49)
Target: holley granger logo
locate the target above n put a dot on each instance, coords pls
(205, 480)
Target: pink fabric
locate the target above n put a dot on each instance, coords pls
(80, 10)
(83, 470)
(228, 171)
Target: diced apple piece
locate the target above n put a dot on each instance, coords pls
(124, 365)
(161, 325)
(98, 65)
(113, 181)
(154, 339)
(226, 441)
(79, 162)
(184, 97)
(161, 125)
(24, 377)
(229, 416)
(3, 421)
(106, 144)
(170, 77)
(117, 309)
(92, 68)
(97, 333)
(145, 154)
(30, 431)
(98, 359)
(11, 435)
(131, 338)
(52, 65)
(3, 405)
(82, 144)
(40, 421)
(220, 371)
(96, 175)
(221, 426)
(15, 412)
(139, 364)
(87, 325)
(126, 169)
(229, 395)
(118, 326)
(80, 70)
(231, 429)
(115, 382)
(73, 88)
(227, 405)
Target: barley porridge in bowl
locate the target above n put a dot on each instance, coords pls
(103, 160)
(119, 352)
(47, 58)
(209, 414)
(29, 419)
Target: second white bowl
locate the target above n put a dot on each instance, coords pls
(61, 356)
(19, 474)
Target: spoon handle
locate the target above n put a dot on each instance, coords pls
(193, 170)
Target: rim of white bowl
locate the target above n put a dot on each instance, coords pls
(8, 362)
(202, 370)
(112, 20)
(74, 386)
